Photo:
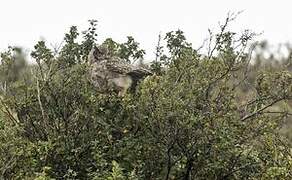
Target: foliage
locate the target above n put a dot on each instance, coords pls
(198, 117)
(128, 51)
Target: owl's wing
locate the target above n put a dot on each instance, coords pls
(118, 66)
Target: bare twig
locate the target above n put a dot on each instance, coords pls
(39, 100)
(230, 17)
(7, 111)
(261, 109)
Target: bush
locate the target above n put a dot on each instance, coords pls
(187, 121)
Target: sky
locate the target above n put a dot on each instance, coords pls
(24, 22)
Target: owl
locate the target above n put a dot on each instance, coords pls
(112, 73)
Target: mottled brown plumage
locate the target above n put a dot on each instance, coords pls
(108, 72)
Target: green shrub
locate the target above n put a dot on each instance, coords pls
(187, 121)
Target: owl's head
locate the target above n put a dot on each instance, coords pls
(97, 54)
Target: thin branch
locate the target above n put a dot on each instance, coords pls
(261, 109)
(39, 100)
(7, 112)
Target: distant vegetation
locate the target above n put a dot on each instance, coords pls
(225, 114)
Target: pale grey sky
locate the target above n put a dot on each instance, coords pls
(24, 22)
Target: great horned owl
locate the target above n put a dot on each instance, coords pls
(110, 72)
